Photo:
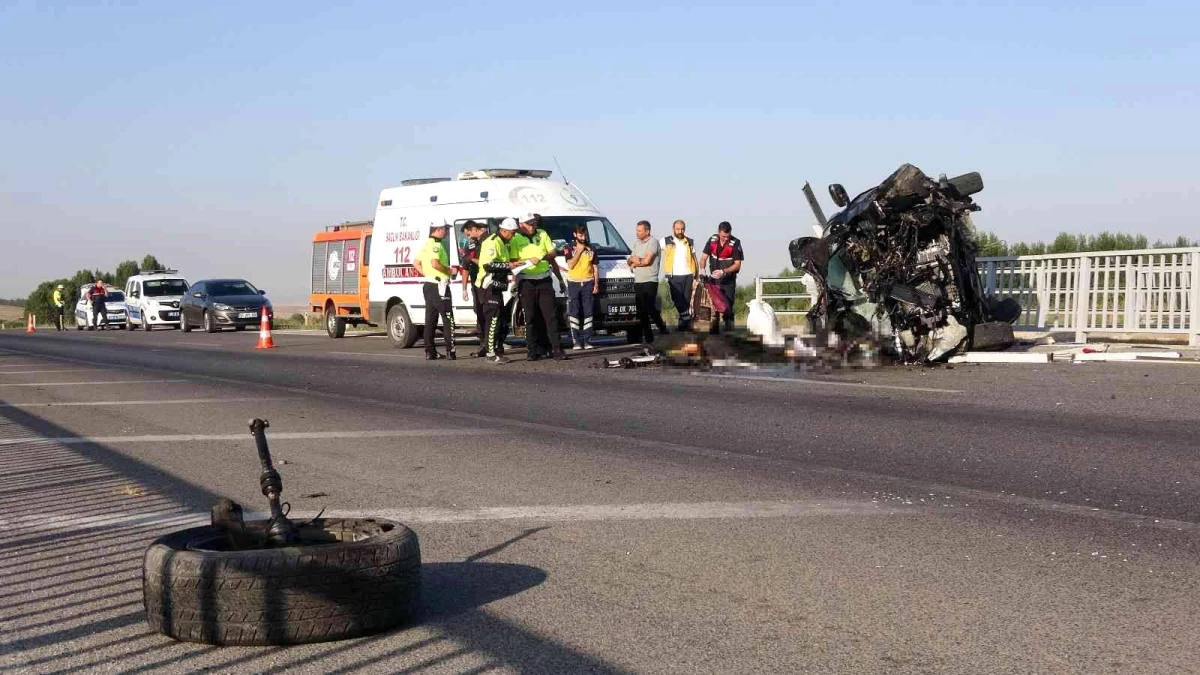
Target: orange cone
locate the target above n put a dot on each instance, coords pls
(31, 324)
(265, 341)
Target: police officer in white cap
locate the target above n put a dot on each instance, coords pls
(433, 263)
(534, 248)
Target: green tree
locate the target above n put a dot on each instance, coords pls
(150, 263)
(990, 245)
(125, 270)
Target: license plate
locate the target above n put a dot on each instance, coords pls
(170, 315)
(247, 315)
(622, 309)
(114, 317)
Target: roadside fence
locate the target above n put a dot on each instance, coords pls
(1142, 291)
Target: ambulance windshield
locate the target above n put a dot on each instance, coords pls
(601, 233)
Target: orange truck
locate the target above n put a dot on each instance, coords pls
(341, 258)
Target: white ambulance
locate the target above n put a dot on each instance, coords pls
(487, 196)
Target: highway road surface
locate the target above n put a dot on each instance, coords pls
(980, 519)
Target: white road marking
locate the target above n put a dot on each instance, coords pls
(800, 380)
(94, 383)
(67, 404)
(390, 356)
(39, 372)
(548, 513)
(275, 436)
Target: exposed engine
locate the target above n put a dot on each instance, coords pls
(898, 263)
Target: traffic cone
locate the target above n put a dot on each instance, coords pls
(265, 341)
(31, 324)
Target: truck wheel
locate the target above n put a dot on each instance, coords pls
(400, 328)
(335, 326)
(207, 322)
(345, 579)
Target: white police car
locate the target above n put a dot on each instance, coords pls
(114, 309)
(152, 299)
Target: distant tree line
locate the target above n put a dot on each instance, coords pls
(992, 245)
(13, 302)
(41, 300)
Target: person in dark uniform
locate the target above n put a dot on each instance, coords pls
(433, 263)
(722, 256)
(96, 296)
(468, 255)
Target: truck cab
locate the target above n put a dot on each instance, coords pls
(488, 196)
(341, 256)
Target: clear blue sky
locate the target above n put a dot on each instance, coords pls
(220, 136)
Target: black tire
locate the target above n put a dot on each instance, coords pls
(400, 328)
(145, 324)
(78, 326)
(239, 328)
(183, 324)
(206, 322)
(335, 326)
(633, 335)
(291, 595)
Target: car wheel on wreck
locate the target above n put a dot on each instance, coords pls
(342, 578)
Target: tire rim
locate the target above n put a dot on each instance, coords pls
(207, 321)
(332, 322)
(398, 328)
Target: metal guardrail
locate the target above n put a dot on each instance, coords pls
(1141, 291)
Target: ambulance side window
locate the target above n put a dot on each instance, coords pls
(366, 255)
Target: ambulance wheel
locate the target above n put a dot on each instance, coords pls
(343, 579)
(400, 328)
(335, 326)
(207, 322)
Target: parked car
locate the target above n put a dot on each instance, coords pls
(152, 299)
(213, 304)
(114, 309)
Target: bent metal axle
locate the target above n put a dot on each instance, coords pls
(280, 531)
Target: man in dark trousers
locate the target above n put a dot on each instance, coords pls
(722, 256)
(468, 256)
(96, 296)
(491, 280)
(679, 268)
(60, 307)
(433, 263)
(535, 251)
(644, 261)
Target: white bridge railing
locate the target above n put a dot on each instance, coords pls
(1145, 291)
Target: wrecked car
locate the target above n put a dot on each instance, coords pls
(897, 265)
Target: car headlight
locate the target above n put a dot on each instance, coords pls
(221, 306)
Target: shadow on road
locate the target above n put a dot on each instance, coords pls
(70, 557)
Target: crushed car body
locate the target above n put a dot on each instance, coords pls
(897, 265)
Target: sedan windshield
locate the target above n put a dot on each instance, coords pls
(602, 235)
(159, 287)
(231, 288)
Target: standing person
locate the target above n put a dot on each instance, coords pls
(679, 267)
(433, 263)
(722, 255)
(534, 251)
(583, 284)
(468, 254)
(644, 262)
(96, 296)
(60, 308)
(491, 280)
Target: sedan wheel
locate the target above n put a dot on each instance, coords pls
(209, 326)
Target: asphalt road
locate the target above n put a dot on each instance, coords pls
(981, 519)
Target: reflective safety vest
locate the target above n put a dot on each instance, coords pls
(668, 255)
(492, 249)
(58, 298)
(524, 248)
(432, 249)
(582, 270)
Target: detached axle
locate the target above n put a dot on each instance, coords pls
(280, 531)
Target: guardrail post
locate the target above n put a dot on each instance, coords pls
(1194, 314)
(758, 288)
(990, 277)
(1083, 287)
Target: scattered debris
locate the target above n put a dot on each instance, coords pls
(314, 495)
(1001, 357)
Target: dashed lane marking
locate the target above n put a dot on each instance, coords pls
(275, 436)
(800, 380)
(94, 383)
